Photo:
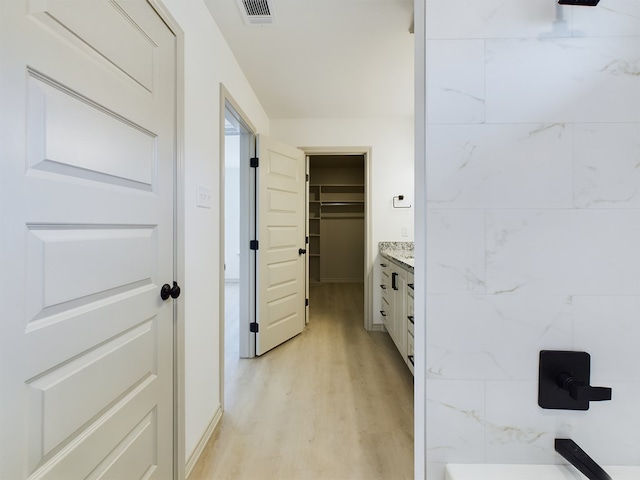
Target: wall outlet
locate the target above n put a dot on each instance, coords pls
(204, 197)
(405, 230)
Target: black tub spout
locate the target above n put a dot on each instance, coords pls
(579, 459)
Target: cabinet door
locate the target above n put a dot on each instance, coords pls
(410, 319)
(399, 328)
(386, 296)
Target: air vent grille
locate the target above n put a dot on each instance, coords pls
(257, 12)
(256, 7)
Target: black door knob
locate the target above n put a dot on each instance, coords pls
(168, 291)
(301, 251)
(165, 291)
(175, 290)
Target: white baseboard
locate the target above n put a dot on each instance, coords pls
(377, 327)
(195, 456)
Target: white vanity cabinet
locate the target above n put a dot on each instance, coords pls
(386, 307)
(398, 329)
(396, 306)
(409, 357)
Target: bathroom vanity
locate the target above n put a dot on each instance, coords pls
(396, 295)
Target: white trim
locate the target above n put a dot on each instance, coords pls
(221, 244)
(368, 263)
(225, 97)
(179, 250)
(420, 222)
(378, 327)
(201, 445)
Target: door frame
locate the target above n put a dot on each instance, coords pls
(368, 262)
(227, 99)
(179, 209)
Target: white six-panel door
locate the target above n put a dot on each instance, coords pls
(86, 239)
(281, 233)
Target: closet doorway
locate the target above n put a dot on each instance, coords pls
(337, 220)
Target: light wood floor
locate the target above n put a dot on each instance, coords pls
(335, 402)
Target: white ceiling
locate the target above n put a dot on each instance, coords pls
(326, 58)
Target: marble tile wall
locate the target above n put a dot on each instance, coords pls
(533, 225)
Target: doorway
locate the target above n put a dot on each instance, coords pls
(338, 225)
(336, 218)
(239, 227)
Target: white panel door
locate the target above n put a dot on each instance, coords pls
(86, 239)
(281, 235)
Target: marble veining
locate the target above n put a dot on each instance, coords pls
(532, 226)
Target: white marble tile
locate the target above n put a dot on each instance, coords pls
(455, 419)
(494, 337)
(609, 18)
(435, 471)
(608, 328)
(496, 19)
(610, 430)
(563, 252)
(499, 166)
(562, 80)
(455, 251)
(518, 430)
(607, 165)
(455, 81)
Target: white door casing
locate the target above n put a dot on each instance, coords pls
(307, 169)
(87, 153)
(281, 233)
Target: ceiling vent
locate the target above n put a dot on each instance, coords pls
(257, 12)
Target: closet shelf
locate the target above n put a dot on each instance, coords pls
(336, 185)
(336, 206)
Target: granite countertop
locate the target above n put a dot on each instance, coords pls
(399, 252)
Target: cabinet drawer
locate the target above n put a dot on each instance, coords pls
(385, 280)
(385, 312)
(410, 357)
(410, 316)
(410, 285)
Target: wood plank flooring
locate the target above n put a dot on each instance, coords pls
(335, 402)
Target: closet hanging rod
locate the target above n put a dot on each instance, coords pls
(333, 204)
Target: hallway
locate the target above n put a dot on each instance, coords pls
(335, 402)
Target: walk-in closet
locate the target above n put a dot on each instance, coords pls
(336, 218)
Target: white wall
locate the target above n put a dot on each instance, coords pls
(207, 62)
(533, 225)
(391, 164)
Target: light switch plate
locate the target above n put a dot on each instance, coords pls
(204, 197)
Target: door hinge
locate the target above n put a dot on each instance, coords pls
(307, 177)
(253, 327)
(307, 240)
(306, 302)
(253, 245)
(253, 163)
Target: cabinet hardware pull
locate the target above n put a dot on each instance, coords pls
(383, 265)
(410, 357)
(394, 275)
(384, 287)
(410, 285)
(383, 313)
(410, 317)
